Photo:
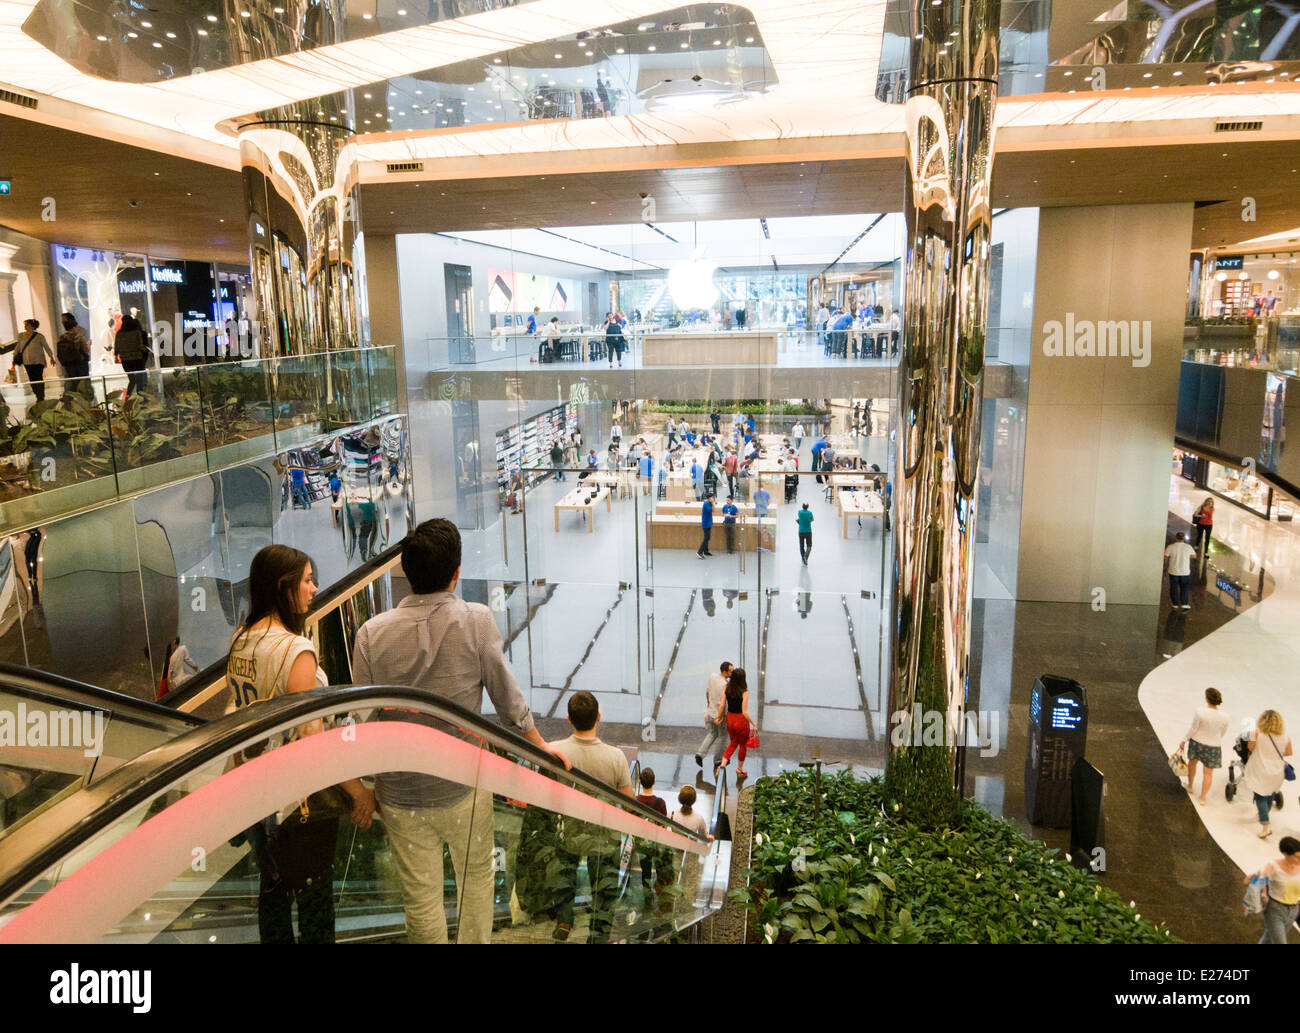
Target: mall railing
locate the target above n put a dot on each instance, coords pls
(1265, 342)
(589, 344)
(117, 861)
(93, 439)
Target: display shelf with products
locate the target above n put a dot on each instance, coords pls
(1245, 489)
(527, 446)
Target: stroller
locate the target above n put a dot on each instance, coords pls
(1237, 768)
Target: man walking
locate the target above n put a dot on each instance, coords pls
(730, 465)
(1178, 561)
(697, 479)
(557, 459)
(729, 512)
(805, 519)
(713, 728)
(440, 643)
(706, 525)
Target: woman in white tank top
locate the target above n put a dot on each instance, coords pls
(269, 656)
(1266, 768)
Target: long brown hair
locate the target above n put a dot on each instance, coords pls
(274, 577)
(737, 686)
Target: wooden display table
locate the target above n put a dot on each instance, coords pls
(580, 499)
(860, 504)
(623, 481)
(850, 481)
(757, 347)
(683, 531)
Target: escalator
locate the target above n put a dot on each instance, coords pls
(159, 849)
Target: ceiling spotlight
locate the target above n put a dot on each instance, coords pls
(401, 12)
(651, 47)
(367, 16)
(619, 51)
(171, 35)
(278, 10)
(158, 45)
(1068, 74)
(685, 46)
(588, 53)
(558, 56)
(146, 25)
(1177, 74)
(717, 42)
(1273, 274)
(749, 39)
(203, 32)
(496, 60)
(1146, 75)
(213, 17)
(132, 35)
(102, 39)
(366, 95)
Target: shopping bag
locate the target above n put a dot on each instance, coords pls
(1256, 898)
(753, 742)
(1178, 762)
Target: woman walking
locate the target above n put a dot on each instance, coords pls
(269, 657)
(1266, 768)
(735, 708)
(1203, 523)
(1204, 742)
(1283, 877)
(32, 351)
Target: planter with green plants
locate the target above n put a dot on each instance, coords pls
(854, 872)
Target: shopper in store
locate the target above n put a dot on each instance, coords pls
(585, 752)
(735, 710)
(614, 339)
(692, 866)
(697, 479)
(1267, 766)
(1203, 524)
(31, 350)
(177, 667)
(729, 513)
(715, 418)
(129, 347)
(1178, 564)
(270, 657)
(804, 519)
(532, 320)
(73, 348)
(1283, 877)
(713, 726)
(895, 331)
(1204, 742)
(656, 859)
(437, 642)
(797, 432)
(706, 525)
(557, 459)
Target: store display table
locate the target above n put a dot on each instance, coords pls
(580, 499)
(860, 504)
(683, 531)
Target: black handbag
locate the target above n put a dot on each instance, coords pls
(323, 805)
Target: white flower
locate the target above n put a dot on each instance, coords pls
(852, 839)
(1067, 857)
(979, 875)
(769, 932)
(1035, 923)
(895, 806)
(1016, 895)
(1137, 918)
(1132, 903)
(758, 839)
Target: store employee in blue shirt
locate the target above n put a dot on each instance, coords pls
(706, 525)
(762, 498)
(729, 512)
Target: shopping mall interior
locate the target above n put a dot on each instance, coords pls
(985, 300)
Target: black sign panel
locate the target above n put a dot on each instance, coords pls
(1058, 733)
(1228, 262)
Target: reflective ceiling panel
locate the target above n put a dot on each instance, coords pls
(701, 56)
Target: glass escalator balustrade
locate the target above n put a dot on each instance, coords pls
(227, 852)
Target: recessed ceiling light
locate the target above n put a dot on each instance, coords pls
(651, 47)
(1068, 74)
(132, 35)
(496, 60)
(1176, 74)
(367, 16)
(278, 10)
(749, 39)
(1146, 75)
(401, 12)
(203, 32)
(619, 51)
(158, 45)
(685, 46)
(717, 42)
(471, 89)
(366, 95)
(146, 25)
(558, 56)
(102, 39)
(588, 53)
(213, 17)
(171, 35)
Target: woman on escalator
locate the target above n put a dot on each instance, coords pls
(270, 656)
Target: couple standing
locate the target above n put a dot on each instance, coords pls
(727, 705)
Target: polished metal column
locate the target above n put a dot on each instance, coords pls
(950, 107)
(303, 210)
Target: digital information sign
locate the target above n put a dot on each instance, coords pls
(1058, 733)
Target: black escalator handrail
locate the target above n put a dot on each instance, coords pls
(327, 600)
(55, 688)
(50, 836)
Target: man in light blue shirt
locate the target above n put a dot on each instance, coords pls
(697, 476)
(762, 499)
(706, 525)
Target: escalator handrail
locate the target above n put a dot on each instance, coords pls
(53, 834)
(203, 680)
(55, 688)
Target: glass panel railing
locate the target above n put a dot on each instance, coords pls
(498, 846)
(93, 439)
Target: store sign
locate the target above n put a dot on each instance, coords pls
(1225, 583)
(167, 274)
(1228, 262)
(130, 286)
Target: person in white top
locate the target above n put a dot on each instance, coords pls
(269, 657)
(616, 434)
(177, 666)
(1178, 562)
(713, 728)
(1266, 768)
(797, 433)
(1283, 877)
(687, 816)
(1204, 742)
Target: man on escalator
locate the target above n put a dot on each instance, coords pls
(436, 641)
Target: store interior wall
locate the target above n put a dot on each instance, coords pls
(1100, 429)
(30, 294)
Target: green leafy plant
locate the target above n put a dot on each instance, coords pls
(859, 873)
